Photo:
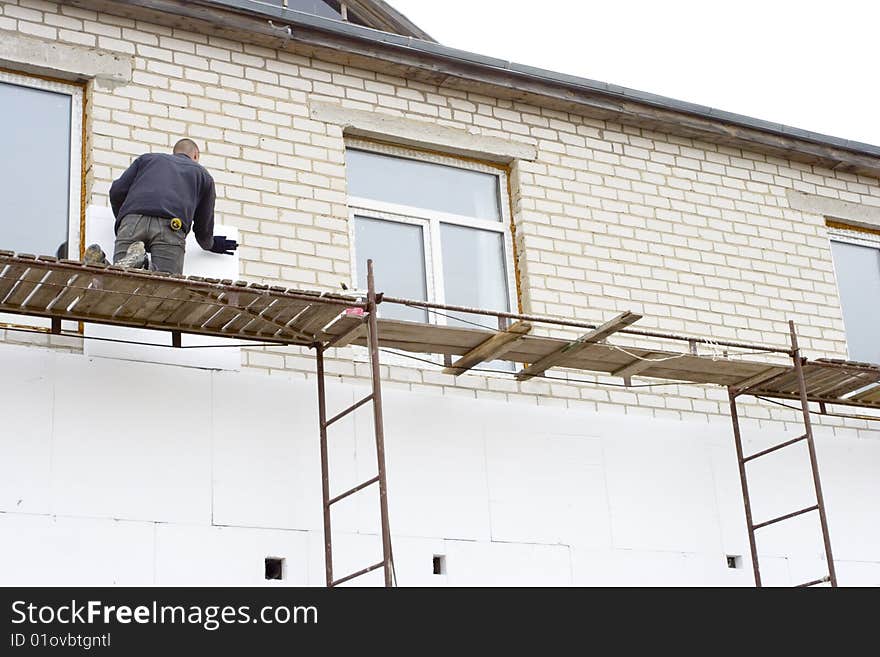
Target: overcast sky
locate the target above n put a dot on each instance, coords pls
(807, 64)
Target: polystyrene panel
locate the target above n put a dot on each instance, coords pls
(152, 442)
(99, 229)
(507, 564)
(858, 573)
(728, 497)
(351, 553)
(850, 472)
(131, 440)
(800, 537)
(660, 492)
(627, 568)
(780, 482)
(436, 464)
(542, 490)
(652, 568)
(26, 437)
(189, 555)
(267, 468)
(352, 460)
(775, 571)
(518, 418)
(51, 551)
(414, 561)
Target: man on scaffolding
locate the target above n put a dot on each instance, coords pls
(156, 202)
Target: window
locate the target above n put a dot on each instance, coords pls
(41, 166)
(317, 7)
(857, 266)
(327, 8)
(436, 228)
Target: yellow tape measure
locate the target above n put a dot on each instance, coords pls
(176, 224)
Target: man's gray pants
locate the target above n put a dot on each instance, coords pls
(164, 244)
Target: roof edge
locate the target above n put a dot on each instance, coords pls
(526, 80)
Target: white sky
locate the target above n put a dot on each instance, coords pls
(808, 64)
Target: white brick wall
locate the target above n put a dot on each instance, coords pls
(697, 237)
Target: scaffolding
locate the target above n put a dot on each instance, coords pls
(257, 314)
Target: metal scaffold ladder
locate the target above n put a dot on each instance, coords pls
(375, 398)
(807, 436)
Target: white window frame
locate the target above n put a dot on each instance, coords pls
(75, 199)
(430, 221)
(856, 237)
(76, 149)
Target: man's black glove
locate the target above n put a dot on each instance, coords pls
(223, 245)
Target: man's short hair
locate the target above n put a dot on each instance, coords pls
(186, 146)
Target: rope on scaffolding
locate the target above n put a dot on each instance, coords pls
(543, 376)
(647, 360)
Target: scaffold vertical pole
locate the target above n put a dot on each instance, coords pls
(747, 502)
(378, 423)
(814, 464)
(325, 466)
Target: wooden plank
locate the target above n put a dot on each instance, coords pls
(284, 311)
(195, 308)
(638, 365)
(229, 312)
(175, 296)
(215, 303)
(27, 283)
(418, 338)
(718, 377)
(118, 292)
(608, 328)
(51, 287)
(491, 349)
(250, 311)
(820, 381)
(193, 304)
(786, 382)
(207, 314)
(266, 323)
(225, 316)
(761, 378)
(316, 317)
(158, 299)
(261, 326)
(60, 304)
(95, 292)
(9, 278)
(706, 370)
(867, 396)
(853, 382)
(357, 330)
